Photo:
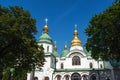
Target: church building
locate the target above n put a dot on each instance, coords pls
(74, 63)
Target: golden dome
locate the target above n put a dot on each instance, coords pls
(45, 29)
(75, 41)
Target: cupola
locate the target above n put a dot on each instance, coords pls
(45, 38)
(65, 51)
(76, 40)
(55, 53)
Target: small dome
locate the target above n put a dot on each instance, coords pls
(88, 53)
(45, 38)
(75, 41)
(65, 51)
(55, 53)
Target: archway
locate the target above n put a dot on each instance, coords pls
(84, 77)
(93, 77)
(75, 76)
(46, 78)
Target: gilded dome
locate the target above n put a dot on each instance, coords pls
(75, 41)
(45, 29)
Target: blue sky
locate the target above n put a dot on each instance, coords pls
(62, 16)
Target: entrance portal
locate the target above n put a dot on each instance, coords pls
(75, 76)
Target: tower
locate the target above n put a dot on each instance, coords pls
(46, 40)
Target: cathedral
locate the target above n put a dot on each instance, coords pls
(74, 63)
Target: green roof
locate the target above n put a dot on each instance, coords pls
(45, 38)
(114, 63)
(55, 53)
(64, 53)
(80, 69)
(88, 53)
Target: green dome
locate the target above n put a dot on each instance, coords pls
(45, 38)
(55, 53)
(64, 53)
(88, 53)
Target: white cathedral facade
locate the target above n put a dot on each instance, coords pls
(73, 64)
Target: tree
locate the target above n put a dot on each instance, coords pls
(18, 74)
(104, 34)
(18, 47)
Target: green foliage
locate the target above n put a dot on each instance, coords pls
(6, 74)
(104, 34)
(18, 47)
(18, 74)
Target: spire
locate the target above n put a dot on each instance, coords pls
(45, 29)
(76, 40)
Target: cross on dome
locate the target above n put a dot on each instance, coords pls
(76, 26)
(55, 42)
(46, 21)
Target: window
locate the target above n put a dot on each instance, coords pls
(67, 77)
(58, 77)
(101, 66)
(35, 78)
(93, 77)
(46, 78)
(62, 66)
(91, 65)
(47, 48)
(76, 60)
(84, 77)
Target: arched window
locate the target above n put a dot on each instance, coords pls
(101, 66)
(93, 77)
(58, 77)
(62, 65)
(35, 78)
(84, 77)
(47, 48)
(75, 76)
(76, 60)
(91, 65)
(66, 77)
(46, 78)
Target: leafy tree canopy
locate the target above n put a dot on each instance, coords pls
(104, 34)
(18, 47)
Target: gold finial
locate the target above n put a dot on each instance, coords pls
(55, 47)
(45, 29)
(75, 41)
(65, 47)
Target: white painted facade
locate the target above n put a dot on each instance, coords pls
(62, 68)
